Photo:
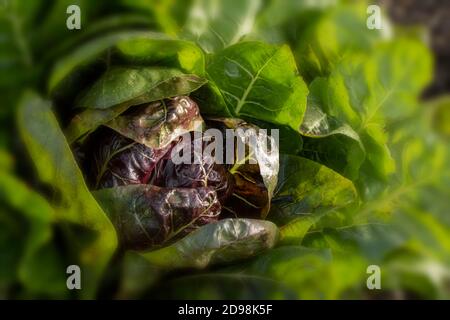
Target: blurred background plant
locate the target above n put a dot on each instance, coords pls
(390, 87)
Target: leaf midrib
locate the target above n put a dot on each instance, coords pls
(254, 78)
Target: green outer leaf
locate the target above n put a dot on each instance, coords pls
(88, 120)
(97, 27)
(36, 259)
(441, 116)
(368, 91)
(306, 187)
(6, 160)
(138, 276)
(346, 96)
(11, 248)
(309, 272)
(373, 240)
(338, 32)
(166, 83)
(329, 141)
(162, 50)
(290, 141)
(294, 231)
(259, 81)
(224, 241)
(396, 75)
(83, 56)
(119, 85)
(136, 46)
(317, 124)
(56, 165)
(219, 286)
(217, 24)
(281, 14)
(211, 101)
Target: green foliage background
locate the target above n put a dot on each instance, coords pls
(364, 171)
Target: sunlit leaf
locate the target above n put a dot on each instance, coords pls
(306, 187)
(225, 241)
(341, 31)
(259, 81)
(328, 141)
(105, 100)
(55, 165)
(217, 24)
(137, 46)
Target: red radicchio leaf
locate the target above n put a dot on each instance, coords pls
(147, 216)
(113, 160)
